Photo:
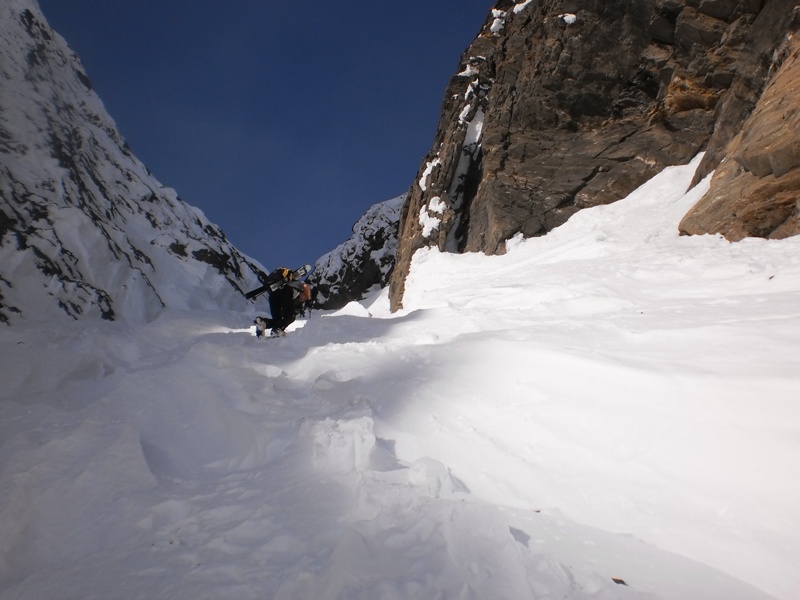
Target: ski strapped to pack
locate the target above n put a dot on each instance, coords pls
(277, 279)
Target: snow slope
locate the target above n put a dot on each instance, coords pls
(610, 401)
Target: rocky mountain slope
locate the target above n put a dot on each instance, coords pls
(560, 105)
(754, 191)
(362, 262)
(556, 106)
(85, 229)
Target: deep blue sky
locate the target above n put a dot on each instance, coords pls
(283, 122)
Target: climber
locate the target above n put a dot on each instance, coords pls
(288, 297)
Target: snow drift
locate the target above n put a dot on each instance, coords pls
(608, 411)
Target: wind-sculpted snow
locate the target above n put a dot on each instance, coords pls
(607, 402)
(85, 229)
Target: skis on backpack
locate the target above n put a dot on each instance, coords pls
(277, 279)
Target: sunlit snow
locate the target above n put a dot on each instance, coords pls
(429, 167)
(608, 402)
(499, 22)
(521, 6)
(430, 217)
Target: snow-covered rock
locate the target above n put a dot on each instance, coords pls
(85, 228)
(363, 261)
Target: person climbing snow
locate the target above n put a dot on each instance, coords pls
(288, 296)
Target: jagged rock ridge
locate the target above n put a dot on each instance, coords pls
(85, 229)
(362, 262)
(561, 105)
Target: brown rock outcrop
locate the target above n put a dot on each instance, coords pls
(561, 105)
(756, 190)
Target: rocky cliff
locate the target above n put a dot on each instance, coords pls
(85, 229)
(755, 191)
(559, 105)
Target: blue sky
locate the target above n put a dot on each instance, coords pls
(283, 122)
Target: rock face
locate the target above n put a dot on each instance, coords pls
(756, 190)
(85, 229)
(362, 262)
(560, 105)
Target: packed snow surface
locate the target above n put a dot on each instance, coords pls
(609, 411)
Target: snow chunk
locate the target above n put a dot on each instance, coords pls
(423, 181)
(462, 118)
(437, 205)
(342, 445)
(470, 90)
(468, 71)
(568, 18)
(499, 22)
(521, 6)
(428, 218)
